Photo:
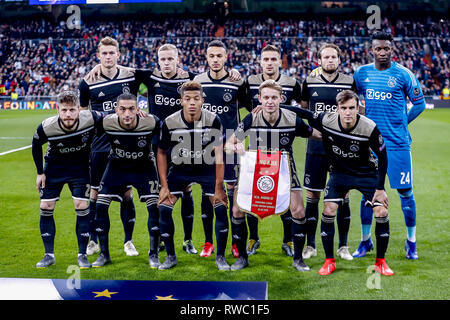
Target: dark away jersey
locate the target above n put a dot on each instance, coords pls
(131, 148)
(350, 150)
(163, 94)
(321, 96)
(101, 95)
(291, 88)
(224, 98)
(280, 136)
(191, 145)
(67, 148)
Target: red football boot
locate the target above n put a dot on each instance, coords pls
(382, 267)
(208, 249)
(328, 267)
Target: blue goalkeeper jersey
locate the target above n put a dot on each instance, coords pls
(385, 95)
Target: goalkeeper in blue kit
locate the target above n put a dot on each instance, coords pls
(385, 86)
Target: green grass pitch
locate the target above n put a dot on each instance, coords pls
(21, 246)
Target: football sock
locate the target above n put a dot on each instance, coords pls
(382, 235)
(221, 228)
(312, 216)
(102, 223)
(82, 229)
(48, 230)
(207, 218)
(298, 236)
(343, 221)
(187, 214)
(240, 235)
(408, 204)
(167, 227)
(286, 219)
(327, 233)
(230, 194)
(92, 207)
(153, 224)
(366, 220)
(128, 217)
(252, 222)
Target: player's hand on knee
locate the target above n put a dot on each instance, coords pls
(381, 197)
(40, 181)
(239, 148)
(235, 75)
(220, 196)
(164, 195)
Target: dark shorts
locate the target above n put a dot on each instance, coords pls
(98, 162)
(231, 169)
(295, 181)
(179, 181)
(77, 179)
(340, 184)
(117, 180)
(316, 170)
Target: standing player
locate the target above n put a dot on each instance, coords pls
(130, 163)
(291, 94)
(272, 129)
(349, 140)
(192, 137)
(69, 136)
(319, 95)
(101, 95)
(385, 86)
(224, 98)
(163, 87)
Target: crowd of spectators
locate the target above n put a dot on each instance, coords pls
(39, 58)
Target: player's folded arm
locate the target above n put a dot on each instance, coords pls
(39, 139)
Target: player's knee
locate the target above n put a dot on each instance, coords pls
(313, 194)
(48, 205)
(298, 212)
(405, 193)
(46, 212)
(237, 213)
(81, 204)
(380, 211)
(330, 208)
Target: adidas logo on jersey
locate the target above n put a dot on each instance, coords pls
(367, 80)
(101, 94)
(60, 144)
(157, 85)
(315, 94)
(116, 141)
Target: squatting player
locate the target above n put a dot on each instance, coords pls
(385, 85)
(101, 95)
(130, 164)
(349, 140)
(192, 138)
(273, 129)
(223, 97)
(319, 92)
(291, 94)
(69, 136)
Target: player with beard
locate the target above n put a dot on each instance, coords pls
(223, 97)
(319, 92)
(69, 136)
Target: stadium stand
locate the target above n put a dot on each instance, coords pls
(39, 58)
